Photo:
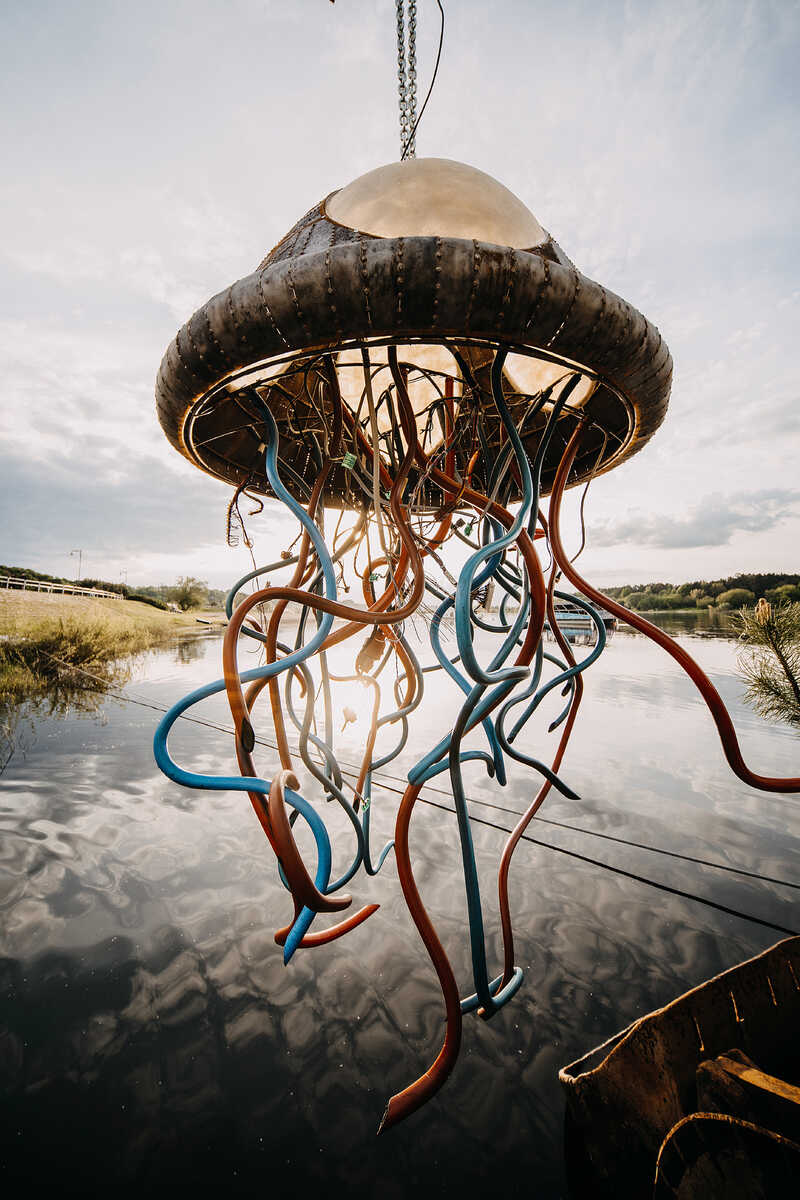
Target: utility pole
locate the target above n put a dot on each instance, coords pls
(79, 553)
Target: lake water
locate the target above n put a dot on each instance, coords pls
(152, 1040)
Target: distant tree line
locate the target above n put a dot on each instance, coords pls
(187, 592)
(735, 591)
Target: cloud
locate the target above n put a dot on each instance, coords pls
(152, 515)
(138, 183)
(713, 522)
(69, 378)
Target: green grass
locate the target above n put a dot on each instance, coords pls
(46, 638)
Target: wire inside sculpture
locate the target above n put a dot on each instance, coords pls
(423, 454)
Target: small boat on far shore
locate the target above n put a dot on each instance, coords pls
(577, 626)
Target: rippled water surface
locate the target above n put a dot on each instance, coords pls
(152, 1040)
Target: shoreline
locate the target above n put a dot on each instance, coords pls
(45, 636)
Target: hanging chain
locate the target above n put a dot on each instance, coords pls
(401, 74)
(407, 77)
(411, 143)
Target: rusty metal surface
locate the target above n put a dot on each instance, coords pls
(711, 1156)
(317, 231)
(325, 286)
(733, 1084)
(625, 1096)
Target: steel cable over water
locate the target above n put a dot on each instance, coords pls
(378, 780)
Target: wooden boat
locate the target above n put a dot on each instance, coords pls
(700, 1099)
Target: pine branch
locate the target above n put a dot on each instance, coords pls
(770, 661)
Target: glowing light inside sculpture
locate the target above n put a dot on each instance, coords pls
(438, 382)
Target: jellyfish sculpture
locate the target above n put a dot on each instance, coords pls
(419, 355)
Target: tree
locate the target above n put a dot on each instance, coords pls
(784, 591)
(771, 661)
(644, 601)
(735, 598)
(189, 592)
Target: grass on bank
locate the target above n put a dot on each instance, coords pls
(44, 636)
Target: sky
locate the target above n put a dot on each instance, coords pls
(154, 152)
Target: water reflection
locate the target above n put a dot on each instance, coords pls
(190, 649)
(59, 697)
(151, 1037)
(703, 622)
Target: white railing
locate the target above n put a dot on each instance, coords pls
(14, 583)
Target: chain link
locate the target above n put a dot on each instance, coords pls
(401, 73)
(412, 79)
(407, 76)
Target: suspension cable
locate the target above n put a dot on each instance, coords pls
(661, 887)
(411, 93)
(407, 75)
(401, 76)
(526, 837)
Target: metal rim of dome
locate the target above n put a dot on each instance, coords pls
(304, 302)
